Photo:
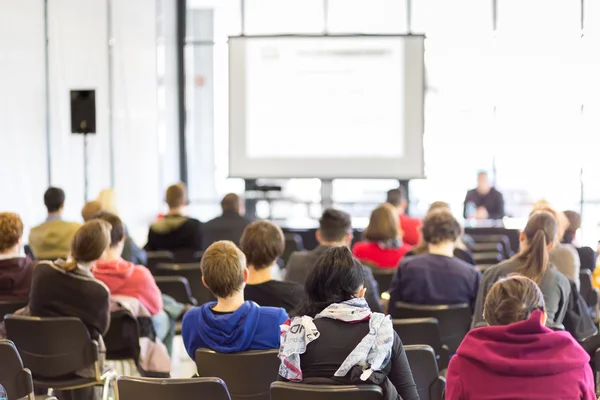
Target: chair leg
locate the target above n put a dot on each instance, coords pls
(108, 378)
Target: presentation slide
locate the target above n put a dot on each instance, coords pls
(328, 106)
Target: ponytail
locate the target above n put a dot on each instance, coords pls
(536, 257)
(70, 265)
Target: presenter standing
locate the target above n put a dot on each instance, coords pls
(484, 202)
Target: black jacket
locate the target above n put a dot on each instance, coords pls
(228, 226)
(337, 339)
(175, 233)
(493, 203)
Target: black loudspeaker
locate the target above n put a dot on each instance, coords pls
(83, 111)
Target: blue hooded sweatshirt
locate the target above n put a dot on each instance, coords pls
(250, 327)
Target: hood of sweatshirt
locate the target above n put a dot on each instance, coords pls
(15, 272)
(114, 273)
(525, 348)
(228, 333)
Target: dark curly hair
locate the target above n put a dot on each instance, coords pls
(440, 226)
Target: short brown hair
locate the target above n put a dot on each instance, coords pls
(117, 230)
(396, 197)
(90, 209)
(89, 242)
(11, 230)
(440, 226)
(334, 225)
(222, 268)
(512, 299)
(176, 196)
(262, 242)
(231, 202)
(384, 224)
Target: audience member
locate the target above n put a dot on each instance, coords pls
(131, 251)
(52, 239)
(537, 239)
(335, 229)
(587, 256)
(263, 243)
(176, 232)
(436, 277)
(383, 246)
(336, 336)
(409, 226)
(517, 357)
(485, 201)
(230, 324)
(15, 270)
(229, 225)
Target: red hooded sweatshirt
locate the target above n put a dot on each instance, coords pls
(127, 279)
(524, 360)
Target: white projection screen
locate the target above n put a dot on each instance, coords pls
(326, 106)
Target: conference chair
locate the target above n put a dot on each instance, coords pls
(302, 391)
(127, 388)
(454, 319)
(430, 385)
(423, 331)
(383, 277)
(248, 374)
(486, 247)
(158, 257)
(500, 239)
(10, 306)
(122, 340)
(588, 291)
(293, 242)
(193, 274)
(177, 287)
(198, 255)
(488, 258)
(54, 349)
(15, 379)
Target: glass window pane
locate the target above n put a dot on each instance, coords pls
(367, 16)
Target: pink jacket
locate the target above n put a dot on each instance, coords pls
(127, 279)
(524, 360)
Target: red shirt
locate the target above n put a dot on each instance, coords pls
(371, 253)
(411, 228)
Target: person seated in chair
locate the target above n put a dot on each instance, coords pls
(263, 243)
(383, 246)
(336, 339)
(436, 277)
(230, 324)
(176, 232)
(15, 270)
(52, 239)
(229, 225)
(517, 356)
(587, 256)
(335, 229)
(411, 233)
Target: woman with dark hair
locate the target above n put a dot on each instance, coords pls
(383, 246)
(336, 339)
(517, 357)
(436, 276)
(532, 261)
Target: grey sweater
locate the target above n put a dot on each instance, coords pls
(554, 285)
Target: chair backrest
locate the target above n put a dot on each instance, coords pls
(198, 255)
(163, 389)
(423, 331)
(52, 347)
(28, 252)
(488, 257)
(122, 340)
(425, 372)
(586, 288)
(14, 378)
(497, 238)
(248, 374)
(293, 242)
(157, 257)
(487, 247)
(383, 276)
(10, 306)
(454, 319)
(193, 274)
(300, 391)
(177, 287)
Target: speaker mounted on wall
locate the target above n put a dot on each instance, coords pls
(83, 112)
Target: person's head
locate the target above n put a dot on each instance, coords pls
(537, 239)
(335, 228)
(574, 224)
(224, 270)
(11, 233)
(231, 203)
(90, 209)
(337, 277)
(54, 199)
(397, 198)
(108, 201)
(176, 196)
(384, 225)
(262, 243)
(513, 299)
(440, 227)
(561, 218)
(89, 243)
(438, 205)
(483, 182)
(117, 234)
